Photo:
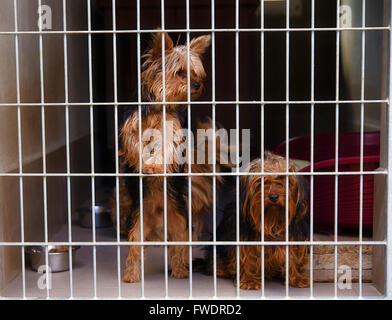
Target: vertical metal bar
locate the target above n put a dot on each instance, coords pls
(139, 97)
(262, 144)
(90, 68)
(189, 148)
(67, 145)
(20, 155)
(388, 248)
(164, 145)
(237, 118)
(214, 142)
(361, 145)
(43, 135)
(287, 139)
(115, 93)
(312, 145)
(336, 148)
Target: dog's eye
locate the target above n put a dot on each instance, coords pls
(181, 73)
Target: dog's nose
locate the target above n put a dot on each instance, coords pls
(273, 197)
(196, 85)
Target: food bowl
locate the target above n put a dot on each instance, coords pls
(102, 216)
(58, 257)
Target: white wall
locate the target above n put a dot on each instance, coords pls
(30, 81)
(30, 92)
(351, 57)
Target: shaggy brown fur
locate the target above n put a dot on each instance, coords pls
(152, 160)
(274, 228)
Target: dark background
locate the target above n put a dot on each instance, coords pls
(250, 78)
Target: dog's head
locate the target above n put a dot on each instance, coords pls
(176, 69)
(274, 196)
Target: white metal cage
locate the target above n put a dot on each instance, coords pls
(382, 240)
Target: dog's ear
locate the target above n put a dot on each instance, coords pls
(251, 200)
(244, 201)
(156, 46)
(302, 203)
(200, 44)
(129, 141)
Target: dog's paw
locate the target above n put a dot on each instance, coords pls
(302, 281)
(250, 284)
(131, 277)
(180, 273)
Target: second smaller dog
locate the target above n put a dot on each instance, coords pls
(274, 228)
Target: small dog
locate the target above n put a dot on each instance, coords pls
(152, 162)
(274, 228)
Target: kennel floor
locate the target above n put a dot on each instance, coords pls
(154, 285)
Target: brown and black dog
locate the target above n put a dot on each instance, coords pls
(250, 217)
(152, 145)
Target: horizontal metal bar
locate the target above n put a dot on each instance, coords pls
(197, 243)
(26, 32)
(208, 174)
(233, 102)
(197, 298)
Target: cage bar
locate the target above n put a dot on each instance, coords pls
(326, 29)
(213, 110)
(252, 102)
(262, 64)
(164, 145)
(363, 35)
(67, 138)
(287, 143)
(20, 155)
(311, 213)
(336, 145)
(196, 243)
(92, 148)
(189, 118)
(237, 142)
(388, 263)
(116, 143)
(43, 137)
(139, 97)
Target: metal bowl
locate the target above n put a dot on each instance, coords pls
(102, 217)
(58, 257)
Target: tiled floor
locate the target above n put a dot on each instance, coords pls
(107, 277)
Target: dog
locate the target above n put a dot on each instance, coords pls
(152, 120)
(274, 228)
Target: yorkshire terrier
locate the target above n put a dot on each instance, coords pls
(152, 118)
(274, 228)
